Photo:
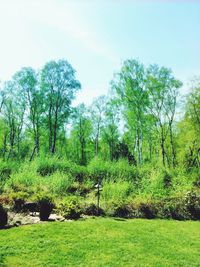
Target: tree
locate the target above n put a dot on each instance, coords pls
(59, 85)
(110, 128)
(2, 98)
(193, 104)
(82, 129)
(163, 90)
(97, 111)
(26, 80)
(130, 85)
(13, 113)
(192, 119)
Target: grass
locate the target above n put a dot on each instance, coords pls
(102, 242)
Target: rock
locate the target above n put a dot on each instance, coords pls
(55, 217)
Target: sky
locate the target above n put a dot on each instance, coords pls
(96, 36)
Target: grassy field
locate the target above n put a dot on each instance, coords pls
(102, 242)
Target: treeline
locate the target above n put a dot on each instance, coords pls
(137, 121)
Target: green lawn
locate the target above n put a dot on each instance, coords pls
(102, 242)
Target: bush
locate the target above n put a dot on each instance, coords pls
(57, 183)
(48, 166)
(80, 189)
(5, 172)
(121, 170)
(99, 170)
(23, 181)
(31, 183)
(122, 210)
(18, 199)
(192, 200)
(112, 171)
(148, 210)
(172, 208)
(6, 169)
(167, 179)
(182, 207)
(93, 210)
(5, 199)
(118, 191)
(79, 173)
(3, 217)
(46, 206)
(69, 208)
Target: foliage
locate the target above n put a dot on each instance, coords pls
(69, 208)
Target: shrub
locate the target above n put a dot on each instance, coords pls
(192, 200)
(148, 210)
(118, 191)
(57, 183)
(18, 199)
(80, 189)
(31, 183)
(167, 179)
(197, 182)
(112, 171)
(5, 199)
(93, 210)
(99, 170)
(152, 183)
(5, 172)
(6, 169)
(22, 181)
(69, 208)
(122, 210)
(80, 173)
(123, 171)
(3, 217)
(46, 206)
(48, 166)
(172, 208)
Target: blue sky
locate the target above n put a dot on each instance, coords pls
(96, 36)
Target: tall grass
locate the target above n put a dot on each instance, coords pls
(120, 180)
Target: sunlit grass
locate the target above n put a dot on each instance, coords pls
(102, 242)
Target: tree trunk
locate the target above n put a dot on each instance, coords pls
(163, 150)
(172, 147)
(96, 146)
(4, 145)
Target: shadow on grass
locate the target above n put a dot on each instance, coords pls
(120, 219)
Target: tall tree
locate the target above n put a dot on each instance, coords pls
(111, 127)
(59, 85)
(82, 129)
(14, 112)
(97, 111)
(163, 91)
(27, 81)
(192, 119)
(130, 84)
